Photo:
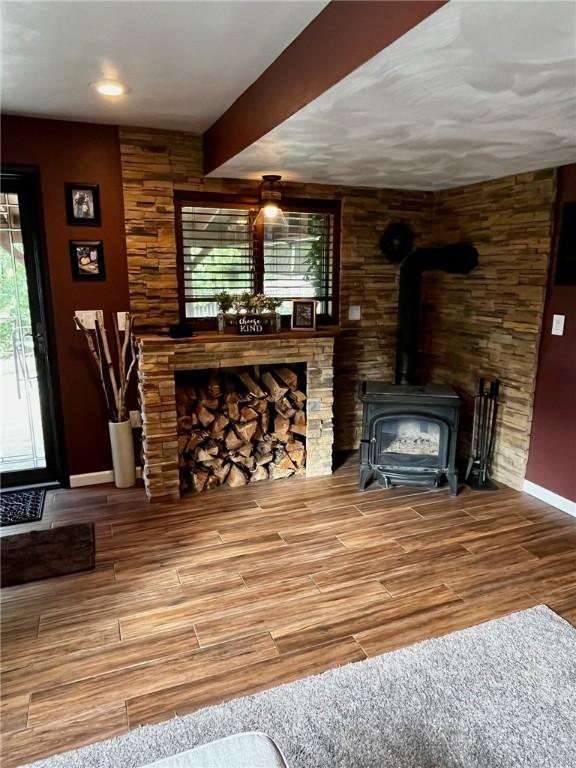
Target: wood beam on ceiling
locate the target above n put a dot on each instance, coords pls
(343, 36)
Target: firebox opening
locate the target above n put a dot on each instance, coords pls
(240, 425)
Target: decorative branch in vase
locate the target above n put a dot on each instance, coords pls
(115, 376)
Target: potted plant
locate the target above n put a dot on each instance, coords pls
(115, 376)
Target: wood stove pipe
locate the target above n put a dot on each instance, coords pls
(459, 258)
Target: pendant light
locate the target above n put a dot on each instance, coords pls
(270, 210)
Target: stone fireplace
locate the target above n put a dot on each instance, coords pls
(163, 358)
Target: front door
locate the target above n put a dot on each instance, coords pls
(29, 445)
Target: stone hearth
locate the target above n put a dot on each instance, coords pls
(161, 357)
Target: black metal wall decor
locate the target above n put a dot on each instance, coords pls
(483, 436)
(396, 242)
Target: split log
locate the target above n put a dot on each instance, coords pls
(246, 430)
(236, 477)
(299, 423)
(287, 376)
(284, 408)
(251, 385)
(297, 452)
(275, 391)
(260, 473)
(233, 411)
(205, 417)
(185, 424)
(214, 388)
(297, 398)
(245, 450)
(232, 441)
(222, 473)
(246, 461)
(260, 405)
(281, 427)
(199, 478)
(212, 482)
(248, 414)
(219, 424)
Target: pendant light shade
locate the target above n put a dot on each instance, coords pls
(270, 203)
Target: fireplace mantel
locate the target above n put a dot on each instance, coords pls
(160, 357)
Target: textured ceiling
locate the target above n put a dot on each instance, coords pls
(479, 90)
(186, 62)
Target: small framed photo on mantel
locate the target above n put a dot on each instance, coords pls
(83, 204)
(303, 315)
(87, 258)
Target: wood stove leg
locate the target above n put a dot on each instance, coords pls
(453, 483)
(365, 478)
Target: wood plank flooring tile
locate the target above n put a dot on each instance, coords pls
(242, 681)
(466, 532)
(368, 565)
(553, 545)
(442, 620)
(367, 617)
(292, 613)
(20, 654)
(193, 611)
(59, 735)
(13, 711)
(78, 665)
(140, 679)
(460, 571)
(521, 535)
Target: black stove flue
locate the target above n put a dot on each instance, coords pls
(409, 432)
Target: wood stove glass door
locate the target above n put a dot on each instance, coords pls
(409, 441)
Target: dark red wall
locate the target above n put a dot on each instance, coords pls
(65, 151)
(552, 459)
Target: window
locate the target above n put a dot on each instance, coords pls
(220, 249)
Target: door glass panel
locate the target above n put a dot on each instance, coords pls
(410, 441)
(21, 438)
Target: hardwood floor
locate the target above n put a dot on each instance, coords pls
(234, 591)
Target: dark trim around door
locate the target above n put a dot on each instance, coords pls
(25, 181)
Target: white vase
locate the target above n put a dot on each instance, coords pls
(122, 446)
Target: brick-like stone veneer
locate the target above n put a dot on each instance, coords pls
(486, 323)
(161, 357)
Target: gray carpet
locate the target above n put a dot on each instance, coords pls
(499, 695)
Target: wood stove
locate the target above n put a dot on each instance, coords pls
(409, 435)
(409, 432)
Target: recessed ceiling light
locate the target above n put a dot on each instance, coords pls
(110, 88)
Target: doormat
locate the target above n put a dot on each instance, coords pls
(43, 554)
(21, 506)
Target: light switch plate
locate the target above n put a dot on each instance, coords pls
(354, 312)
(558, 325)
(88, 317)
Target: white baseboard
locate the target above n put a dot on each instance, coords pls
(96, 478)
(550, 497)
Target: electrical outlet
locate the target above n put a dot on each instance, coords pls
(558, 325)
(121, 320)
(88, 317)
(354, 312)
(135, 419)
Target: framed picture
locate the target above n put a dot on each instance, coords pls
(82, 204)
(303, 315)
(87, 259)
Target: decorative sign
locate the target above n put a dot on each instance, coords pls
(251, 325)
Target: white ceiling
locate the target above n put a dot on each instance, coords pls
(478, 90)
(186, 61)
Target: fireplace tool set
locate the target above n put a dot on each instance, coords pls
(483, 434)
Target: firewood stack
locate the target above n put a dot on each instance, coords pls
(240, 426)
